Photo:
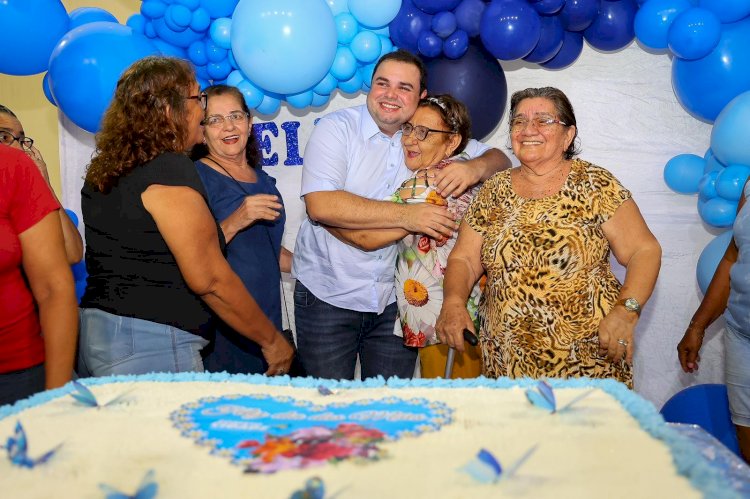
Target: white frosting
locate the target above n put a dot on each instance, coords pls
(594, 449)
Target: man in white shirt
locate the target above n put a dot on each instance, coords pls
(344, 297)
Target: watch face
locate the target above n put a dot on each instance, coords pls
(632, 304)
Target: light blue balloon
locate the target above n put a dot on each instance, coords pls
(374, 14)
(366, 73)
(366, 46)
(252, 94)
(693, 34)
(718, 212)
(729, 136)
(300, 100)
(269, 105)
(234, 78)
(653, 19)
(86, 64)
(683, 173)
(344, 64)
(285, 46)
(338, 6)
(386, 46)
(28, 34)
(710, 258)
(731, 181)
(728, 11)
(326, 85)
(707, 185)
(85, 15)
(319, 100)
(352, 85)
(346, 28)
(220, 32)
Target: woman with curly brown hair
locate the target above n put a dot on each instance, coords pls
(153, 250)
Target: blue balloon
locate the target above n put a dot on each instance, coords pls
(683, 173)
(713, 164)
(86, 64)
(386, 45)
(444, 24)
(718, 212)
(169, 49)
(219, 8)
(197, 53)
(577, 15)
(548, 7)
(706, 85)
(366, 47)
(408, 25)
(252, 94)
(29, 32)
(456, 45)
(234, 78)
(46, 89)
(214, 52)
(694, 33)
(182, 38)
(300, 100)
(728, 11)
(510, 29)
(220, 32)
(319, 100)
(352, 85)
(346, 27)
(366, 73)
(218, 70)
(731, 181)
(613, 27)
(429, 44)
(477, 80)
(550, 40)
(137, 22)
(178, 17)
(326, 85)
(344, 64)
(285, 46)
(433, 6)
(571, 48)
(85, 15)
(729, 136)
(72, 216)
(153, 9)
(269, 105)
(469, 16)
(374, 14)
(710, 258)
(79, 271)
(337, 6)
(707, 185)
(653, 19)
(201, 20)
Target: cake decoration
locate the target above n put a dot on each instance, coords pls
(17, 448)
(486, 468)
(87, 398)
(542, 395)
(266, 434)
(147, 489)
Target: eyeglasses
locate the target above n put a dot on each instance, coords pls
(202, 99)
(420, 132)
(217, 120)
(8, 138)
(541, 123)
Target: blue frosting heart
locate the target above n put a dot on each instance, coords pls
(267, 433)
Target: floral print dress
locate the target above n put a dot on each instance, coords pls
(421, 263)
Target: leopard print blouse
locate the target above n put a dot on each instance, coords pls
(549, 281)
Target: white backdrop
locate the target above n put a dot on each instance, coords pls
(629, 122)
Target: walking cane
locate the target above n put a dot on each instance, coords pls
(469, 338)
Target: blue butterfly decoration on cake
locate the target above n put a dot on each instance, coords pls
(543, 396)
(314, 489)
(147, 489)
(486, 468)
(87, 398)
(17, 447)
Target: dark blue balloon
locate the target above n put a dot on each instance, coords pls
(468, 16)
(408, 25)
(613, 27)
(706, 85)
(456, 45)
(510, 29)
(548, 7)
(435, 6)
(476, 79)
(568, 53)
(550, 40)
(444, 24)
(577, 15)
(429, 44)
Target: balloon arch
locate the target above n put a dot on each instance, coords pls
(301, 51)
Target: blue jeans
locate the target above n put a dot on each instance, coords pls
(20, 384)
(112, 344)
(330, 338)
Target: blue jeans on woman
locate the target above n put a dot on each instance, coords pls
(330, 338)
(112, 344)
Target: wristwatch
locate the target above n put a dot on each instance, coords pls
(631, 305)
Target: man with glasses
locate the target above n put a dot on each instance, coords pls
(13, 135)
(344, 297)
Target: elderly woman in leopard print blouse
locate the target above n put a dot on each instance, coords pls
(543, 233)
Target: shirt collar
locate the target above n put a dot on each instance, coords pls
(370, 129)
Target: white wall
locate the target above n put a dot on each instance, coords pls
(630, 123)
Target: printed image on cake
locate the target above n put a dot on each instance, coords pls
(215, 435)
